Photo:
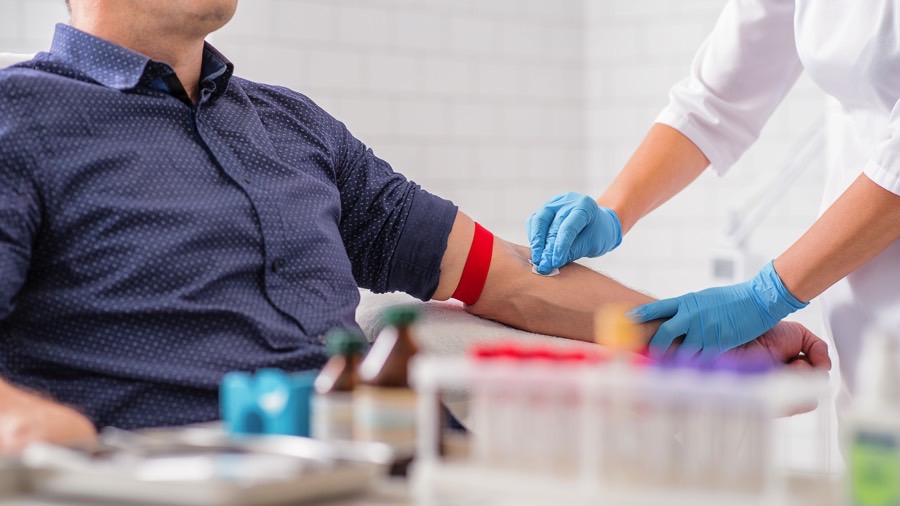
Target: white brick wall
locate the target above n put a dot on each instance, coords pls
(27, 26)
(460, 96)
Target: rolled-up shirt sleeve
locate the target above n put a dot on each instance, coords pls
(884, 166)
(741, 73)
(395, 232)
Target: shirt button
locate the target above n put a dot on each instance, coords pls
(277, 265)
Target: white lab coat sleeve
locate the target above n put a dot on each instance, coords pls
(884, 166)
(741, 73)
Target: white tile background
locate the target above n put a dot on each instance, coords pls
(479, 101)
(501, 104)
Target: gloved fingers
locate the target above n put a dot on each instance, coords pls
(570, 229)
(538, 226)
(668, 332)
(691, 347)
(615, 228)
(544, 266)
(665, 308)
(546, 263)
(709, 354)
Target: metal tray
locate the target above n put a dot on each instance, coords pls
(204, 466)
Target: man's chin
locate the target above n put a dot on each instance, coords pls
(206, 16)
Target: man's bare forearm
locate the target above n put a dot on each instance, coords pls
(562, 305)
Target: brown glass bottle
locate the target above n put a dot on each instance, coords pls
(384, 405)
(332, 406)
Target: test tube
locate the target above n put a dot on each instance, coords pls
(732, 412)
(483, 392)
(620, 445)
(537, 384)
(569, 378)
(694, 409)
(660, 427)
(505, 409)
(757, 442)
(593, 419)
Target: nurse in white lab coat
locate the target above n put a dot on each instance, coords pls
(753, 57)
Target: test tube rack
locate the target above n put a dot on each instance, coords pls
(584, 431)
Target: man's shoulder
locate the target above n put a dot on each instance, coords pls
(13, 79)
(17, 84)
(280, 96)
(33, 78)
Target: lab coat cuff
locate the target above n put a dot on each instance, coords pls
(883, 177)
(681, 120)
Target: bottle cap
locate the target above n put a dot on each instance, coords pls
(574, 356)
(345, 342)
(544, 353)
(615, 330)
(400, 316)
(484, 352)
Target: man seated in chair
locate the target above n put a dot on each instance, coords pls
(163, 222)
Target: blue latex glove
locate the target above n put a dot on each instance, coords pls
(716, 320)
(568, 227)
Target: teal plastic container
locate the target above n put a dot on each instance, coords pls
(271, 402)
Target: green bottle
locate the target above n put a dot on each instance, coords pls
(873, 433)
(384, 403)
(332, 406)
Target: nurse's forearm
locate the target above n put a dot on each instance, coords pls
(859, 225)
(663, 165)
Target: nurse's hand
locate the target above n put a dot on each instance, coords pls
(716, 320)
(568, 227)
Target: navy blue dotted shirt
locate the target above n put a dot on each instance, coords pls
(148, 245)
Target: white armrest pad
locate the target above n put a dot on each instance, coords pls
(7, 59)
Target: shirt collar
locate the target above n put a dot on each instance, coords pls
(120, 68)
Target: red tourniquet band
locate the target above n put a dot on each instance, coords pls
(477, 265)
